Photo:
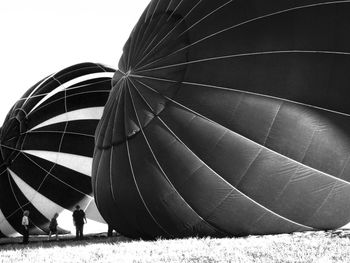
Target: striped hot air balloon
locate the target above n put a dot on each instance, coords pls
(47, 143)
(229, 118)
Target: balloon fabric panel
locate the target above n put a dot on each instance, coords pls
(236, 110)
(47, 144)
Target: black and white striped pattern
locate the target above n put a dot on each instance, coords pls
(229, 117)
(47, 143)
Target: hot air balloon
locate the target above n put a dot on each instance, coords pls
(47, 143)
(228, 118)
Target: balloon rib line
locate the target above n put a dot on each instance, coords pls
(49, 173)
(110, 176)
(272, 122)
(60, 132)
(162, 40)
(69, 89)
(243, 91)
(8, 147)
(133, 174)
(205, 17)
(229, 184)
(163, 172)
(247, 55)
(19, 205)
(253, 20)
(139, 192)
(247, 139)
(68, 96)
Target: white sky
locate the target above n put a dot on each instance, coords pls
(40, 37)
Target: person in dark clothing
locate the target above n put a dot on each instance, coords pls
(110, 231)
(79, 219)
(53, 226)
(25, 224)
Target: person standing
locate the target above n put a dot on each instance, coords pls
(25, 225)
(79, 219)
(53, 226)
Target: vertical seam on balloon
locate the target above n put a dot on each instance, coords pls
(102, 122)
(134, 177)
(155, 9)
(147, 11)
(175, 9)
(273, 121)
(249, 165)
(110, 175)
(161, 41)
(255, 19)
(206, 16)
(322, 204)
(138, 190)
(145, 38)
(241, 96)
(144, 56)
(135, 43)
(308, 146)
(95, 186)
(169, 4)
(278, 196)
(160, 167)
(112, 148)
(345, 165)
(147, 47)
(144, 49)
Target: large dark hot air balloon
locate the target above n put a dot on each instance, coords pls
(228, 118)
(47, 143)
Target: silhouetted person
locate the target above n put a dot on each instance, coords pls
(25, 225)
(110, 231)
(53, 226)
(79, 219)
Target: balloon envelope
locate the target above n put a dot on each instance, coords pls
(47, 143)
(228, 118)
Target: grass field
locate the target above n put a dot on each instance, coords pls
(298, 247)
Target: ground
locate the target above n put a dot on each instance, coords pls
(330, 246)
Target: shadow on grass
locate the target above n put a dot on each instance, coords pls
(64, 241)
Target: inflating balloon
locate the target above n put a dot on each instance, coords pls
(228, 118)
(47, 143)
